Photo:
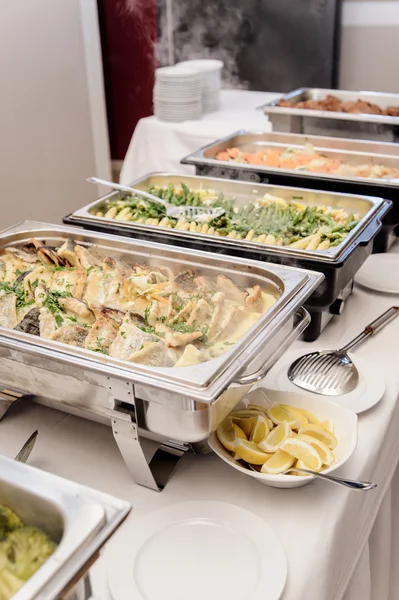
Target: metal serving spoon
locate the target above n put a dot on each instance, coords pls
(27, 448)
(332, 372)
(191, 213)
(350, 483)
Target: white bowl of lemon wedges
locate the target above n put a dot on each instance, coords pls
(271, 431)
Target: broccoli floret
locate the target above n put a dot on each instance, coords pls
(26, 550)
(8, 521)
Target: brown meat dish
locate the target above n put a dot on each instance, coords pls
(333, 104)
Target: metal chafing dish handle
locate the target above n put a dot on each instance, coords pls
(303, 321)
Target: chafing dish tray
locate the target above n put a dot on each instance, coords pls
(176, 406)
(338, 264)
(303, 120)
(353, 152)
(80, 520)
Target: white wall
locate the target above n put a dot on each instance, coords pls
(53, 130)
(370, 45)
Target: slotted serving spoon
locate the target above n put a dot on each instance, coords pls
(191, 213)
(332, 372)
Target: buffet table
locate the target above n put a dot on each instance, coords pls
(339, 544)
(159, 146)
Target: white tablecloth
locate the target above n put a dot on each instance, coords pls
(339, 544)
(159, 146)
(325, 529)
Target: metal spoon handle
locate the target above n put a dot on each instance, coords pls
(350, 483)
(371, 329)
(127, 188)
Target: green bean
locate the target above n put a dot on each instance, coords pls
(352, 224)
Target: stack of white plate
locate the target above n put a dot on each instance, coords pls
(211, 73)
(177, 94)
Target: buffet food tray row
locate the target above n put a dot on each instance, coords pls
(338, 264)
(353, 152)
(342, 124)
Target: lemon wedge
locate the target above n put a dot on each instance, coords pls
(262, 410)
(300, 465)
(244, 413)
(260, 430)
(228, 432)
(245, 423)
(304, 451)
(274, 439)
(298, 414)
(250, 452)
(328, 425)
(310, 417)
(278, 415)
(257, 407)
(278, 463)
(318, 431)
(327, 457)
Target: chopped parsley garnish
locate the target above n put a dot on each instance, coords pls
(18, 272)
(51, 303)
(148, 329)
(101, 349)
(18, 290)
(60, 268)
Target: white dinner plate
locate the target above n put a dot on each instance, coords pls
(380, 272)
(368, 393)
(198, 551)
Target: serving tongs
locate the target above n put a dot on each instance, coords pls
(201, 214)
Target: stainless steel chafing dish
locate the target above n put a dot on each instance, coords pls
(366, 126)
(354, 152)
(242, 192)
(79, 519)
(175, 406)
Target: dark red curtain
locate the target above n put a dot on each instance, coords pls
(128, 37)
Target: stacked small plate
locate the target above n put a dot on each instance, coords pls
(211, 73)
(177, 94)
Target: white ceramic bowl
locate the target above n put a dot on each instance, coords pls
(344, 420)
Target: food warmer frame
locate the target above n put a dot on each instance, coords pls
(177, 407)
